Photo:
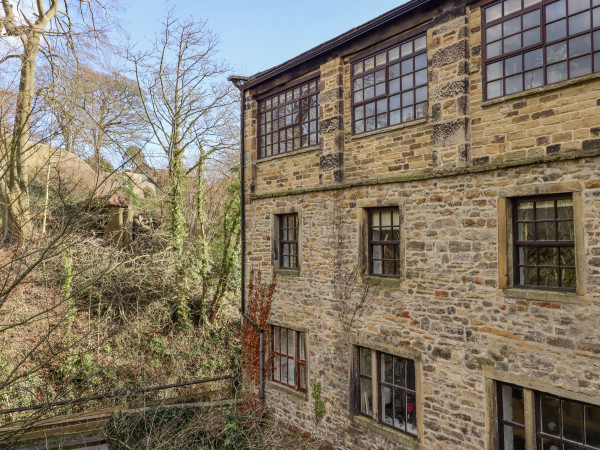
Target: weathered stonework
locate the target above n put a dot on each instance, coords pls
(453, 310)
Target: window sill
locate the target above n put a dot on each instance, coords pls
(546, 296)
(389, 129)
(292, 153)
(541, 89)
(374, 280)
(390, 433)
(287, 272)
(288, 390)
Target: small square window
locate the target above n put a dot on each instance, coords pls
(544, 243)
(288, 241)
(384, 241)
(289, 357)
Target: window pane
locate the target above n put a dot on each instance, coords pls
(514, 84)
(276, 363)
(556, 10)
(592, 425)
(572, 419)
(387, 373)
(410, 374)
(407, 66)
(366, 396)
(421, 61)
(578, 5)
(292, 343)
(291, 372)
(533, 79)
(494, 70)
(394, 86)
(525, 211)
(568, 278)
(548, 277)
(494, 89)
(512, 26)
(529, 276)
(511, 6)
(525, 232)
(420, 43)
(546, 231)
(548, 256)
(556, 30)
(567, 256)
(514, 438)
(377, 267)
(580, 66)
(493, 13)
(399, 413)
(580, 22)
(386, 405)
(302, 355)
(531, 37)
(557, 72)
(512, 404)
(513, 65)
(556, 52)
(528, 256)
(302, 381)
(580, 45)
(531, 19)
(493, 33)
(512, 43)
(284, 370)
(394, 117)
(421, 94)
(284, 341)
(365, 361)
(406, 49)
(400, 371)
(493, 49)
(394, 71)
(394, 53)
(411, 413)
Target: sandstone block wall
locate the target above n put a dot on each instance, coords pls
(448, 174)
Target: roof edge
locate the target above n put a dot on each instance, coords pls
(337, 41)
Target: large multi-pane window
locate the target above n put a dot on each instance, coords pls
(390, 87)
(288, 241)
(558, 423)
(289, 120)
(289, 357)
(532, 43)
(394, 381)
(544, 242)
(384, 242)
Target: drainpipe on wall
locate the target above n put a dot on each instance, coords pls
(239, 82)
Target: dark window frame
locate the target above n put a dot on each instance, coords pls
(299, 362)
(275, 94)
(540, 435)
(385, 48)
(362, 376)
(393, 243)
(517, 282)
(500, 413)
(283, 219)
(376, 379)
(594, 52)
(533, 428)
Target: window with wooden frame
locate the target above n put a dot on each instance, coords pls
(384, 241)
(394, 382)
(544, 243)
(289, 357)
(289, 120)
(389, 87)
(288, 241)
(557, 423)
(532, 43)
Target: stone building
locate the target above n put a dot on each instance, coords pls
(426, 187)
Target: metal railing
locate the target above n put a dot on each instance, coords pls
(108, 395)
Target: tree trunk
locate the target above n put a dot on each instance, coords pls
(19, 215)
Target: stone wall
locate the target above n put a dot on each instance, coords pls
(448, 174)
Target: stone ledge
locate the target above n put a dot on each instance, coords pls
(287, 272)
(389, 433)
(541, 90)
(545, 296)
(291, 153)
(428, 174)
(374, 280)
(287, 390)
(389, 129)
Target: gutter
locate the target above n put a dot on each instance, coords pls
(240, 83)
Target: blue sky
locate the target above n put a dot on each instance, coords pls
(257, 35)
